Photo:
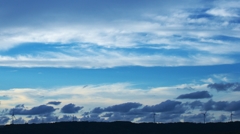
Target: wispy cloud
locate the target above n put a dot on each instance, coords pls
(109, 59)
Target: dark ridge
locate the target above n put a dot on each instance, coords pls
(120, 127)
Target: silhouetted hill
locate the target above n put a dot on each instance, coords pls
(122, 128)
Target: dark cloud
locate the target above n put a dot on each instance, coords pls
(114, 116)
(195, 104)
(54, 102)
(137, 112)
(237, 87)
(19, 121)
(121, 112)
(165, 117)
(147, 117)
(222, 118)
(70, 108)
(4, 111)
(221, 105)
(236, 114)
(88, 116)
(212, 105)
(233, 106)
(160, 117)
(225, 86)
(50, 118)
(195, 95)
(19, 106)
(117, 116)
(42, 109)
(97, 110)
(220, 86)
(167, 111)
(4, 120)
(125, 107)
(35, 119)
(166, 106)
(46, 118)
(193, 118)
(107, 115)
(66, 118)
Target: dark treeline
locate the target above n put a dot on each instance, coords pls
(122, 128)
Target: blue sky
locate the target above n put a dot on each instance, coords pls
(119, 60)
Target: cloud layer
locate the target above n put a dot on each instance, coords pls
(117, 102)
(160, 33)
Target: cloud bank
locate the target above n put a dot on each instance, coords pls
(120, 101)
(225, 86)
(42, 109)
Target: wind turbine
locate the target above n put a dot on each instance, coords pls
(124, 117)
(154, 117)
(13, 117)
(73, 117)
(42, 119)
(231, 116)
(89, 114)
(56, 119)
(204, 117)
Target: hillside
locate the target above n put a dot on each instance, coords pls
(122, 128)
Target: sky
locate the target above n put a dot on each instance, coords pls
(119, 60)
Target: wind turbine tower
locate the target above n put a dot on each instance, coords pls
(56, 119)
(73, 118)
(231, 116)
(13, 117)
(154, 117)
(204, 117)
(42, 120)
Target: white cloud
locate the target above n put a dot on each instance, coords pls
(108, 59)
(208, 80)
(97, 95)
(228, 4)
(221, 12)
(221, 77)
